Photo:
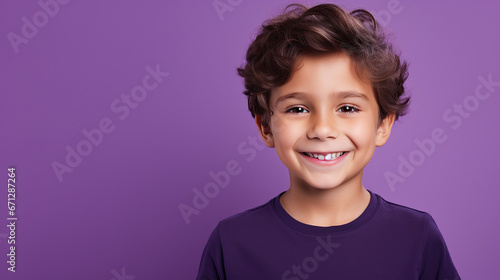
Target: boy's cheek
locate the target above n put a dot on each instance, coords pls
(277, 124)
(358, 129)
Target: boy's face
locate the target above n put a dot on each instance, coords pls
(325, 109)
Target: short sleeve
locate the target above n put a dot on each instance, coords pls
(212, 262)
(436, 260)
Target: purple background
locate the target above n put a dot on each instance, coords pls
(116, 215)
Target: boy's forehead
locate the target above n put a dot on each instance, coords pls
(333, 72)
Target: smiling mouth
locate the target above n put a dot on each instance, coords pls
(326, 157)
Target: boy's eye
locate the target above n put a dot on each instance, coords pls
(348, 109)
(296, 110)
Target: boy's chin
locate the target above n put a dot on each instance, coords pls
(316, 186)
(327, 184)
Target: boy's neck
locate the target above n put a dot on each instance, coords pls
(332, 207)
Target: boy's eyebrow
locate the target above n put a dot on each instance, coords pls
(282, 98)
(340, 94)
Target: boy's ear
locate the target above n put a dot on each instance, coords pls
(384, 130)
(265, 132)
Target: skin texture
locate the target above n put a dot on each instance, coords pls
(329, 114)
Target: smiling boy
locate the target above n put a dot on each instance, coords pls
(328, 127)
(325, 89)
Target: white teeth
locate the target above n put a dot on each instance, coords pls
(331, 156)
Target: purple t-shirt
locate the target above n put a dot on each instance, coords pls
(388, 241)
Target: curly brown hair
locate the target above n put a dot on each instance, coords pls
(323, 29)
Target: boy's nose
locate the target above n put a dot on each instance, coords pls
(323, 126)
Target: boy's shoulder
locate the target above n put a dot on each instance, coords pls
(401, 215)
(259, 214)
(392, 208)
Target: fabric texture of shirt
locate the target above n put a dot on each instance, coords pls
(387, 241)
